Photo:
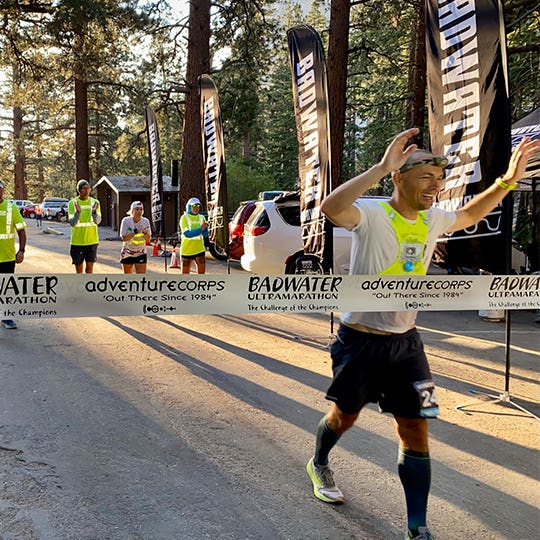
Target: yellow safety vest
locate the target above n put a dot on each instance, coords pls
(411, 239)
(85, 232)
(195, 245)
(10, 221)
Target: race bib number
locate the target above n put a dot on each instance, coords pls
(427, 395)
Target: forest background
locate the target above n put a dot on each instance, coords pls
(76, 76)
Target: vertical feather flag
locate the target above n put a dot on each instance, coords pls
(310, 93)
(469, 117)
(214, 164)
(156, 175)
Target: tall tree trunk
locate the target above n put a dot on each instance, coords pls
(416, 83)
(40, 175)
(338, 45)
(198, 62)
(81, 110)
(96, 170)
(19, 188)
(81, 127)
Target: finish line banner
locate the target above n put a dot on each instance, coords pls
(25, 296)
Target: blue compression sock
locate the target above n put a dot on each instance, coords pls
(414, 469)
(326, 440)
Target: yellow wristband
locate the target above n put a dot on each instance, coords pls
(503, 185)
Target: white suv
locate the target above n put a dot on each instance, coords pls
(273, 239)
(21, 203)
(51, 206)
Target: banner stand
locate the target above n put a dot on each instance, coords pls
(165, 252)
(332, 337)
(503, 397)
(312, 114)
(471, 39)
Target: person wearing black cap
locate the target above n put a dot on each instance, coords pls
(84, 216)
(379, 357)
(11, 222)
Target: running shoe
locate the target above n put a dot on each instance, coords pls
(10, 325)
(422, 534)
(324, 486)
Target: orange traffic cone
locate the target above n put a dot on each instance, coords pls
(174, 260)
(155, 249)
(159, 243)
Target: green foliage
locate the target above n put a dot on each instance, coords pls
(132, 54)
(377, 82)
(523, 27)
(244, 28)
(245, 181)
(278, 146)
(254, 85)
(317, 17)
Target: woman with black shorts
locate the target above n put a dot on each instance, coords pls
(135, 232)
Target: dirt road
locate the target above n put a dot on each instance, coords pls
(199, 427)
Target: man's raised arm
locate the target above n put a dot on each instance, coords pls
(482, 204)
(339, 205)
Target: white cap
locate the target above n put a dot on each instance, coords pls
(135, 204)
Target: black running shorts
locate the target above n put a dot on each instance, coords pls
(392, 371)
(193, 257)
(7, 267)
(79, 254)
(135, 259)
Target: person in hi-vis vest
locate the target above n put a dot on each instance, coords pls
(12, 226)
(194, 230)
(84, 216)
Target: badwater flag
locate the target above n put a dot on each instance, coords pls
(156, 175)
(469, 118)
(310, 93)
(214, 164)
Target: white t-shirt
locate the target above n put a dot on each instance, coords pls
(375, 247)
(128, 226)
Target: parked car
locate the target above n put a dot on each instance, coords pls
(54, 207)
(21, 203)
(273, 238)
(236, 228)
(269, 195)
(29, 211)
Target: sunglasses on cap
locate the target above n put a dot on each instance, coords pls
(437, 161)
(195, 206)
